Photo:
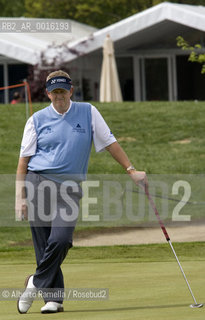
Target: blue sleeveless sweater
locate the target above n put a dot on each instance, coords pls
(63, 142)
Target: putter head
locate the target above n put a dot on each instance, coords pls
(196, 305)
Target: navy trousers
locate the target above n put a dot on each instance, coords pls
(52, 223)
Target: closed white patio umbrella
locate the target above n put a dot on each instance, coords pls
(109, 83)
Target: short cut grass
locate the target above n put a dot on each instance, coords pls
(57, 73)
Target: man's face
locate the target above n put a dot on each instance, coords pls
(60, 97)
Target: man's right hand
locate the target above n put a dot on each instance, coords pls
(21, 209)
(139, 178)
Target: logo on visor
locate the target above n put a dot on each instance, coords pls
(58, 80)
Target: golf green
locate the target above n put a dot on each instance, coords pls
(145, 290)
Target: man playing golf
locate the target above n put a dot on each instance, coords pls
(53, 161)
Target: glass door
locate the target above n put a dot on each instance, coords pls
(156, 79)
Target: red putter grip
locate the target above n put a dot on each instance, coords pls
(156, 213)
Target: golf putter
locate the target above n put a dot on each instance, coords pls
(151, 202)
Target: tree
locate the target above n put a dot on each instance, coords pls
(98, 13)
(12, 8)
(194, 52)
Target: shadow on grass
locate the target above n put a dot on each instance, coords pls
(131, 308)
(128, 308)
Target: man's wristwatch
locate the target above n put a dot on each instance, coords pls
(130, 168)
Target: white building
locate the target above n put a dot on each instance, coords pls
(150, 65)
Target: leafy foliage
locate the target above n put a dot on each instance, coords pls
(98, 13)
(12, 8)
(195, 55)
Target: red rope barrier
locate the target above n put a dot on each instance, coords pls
(24, 84)
(13, 86)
